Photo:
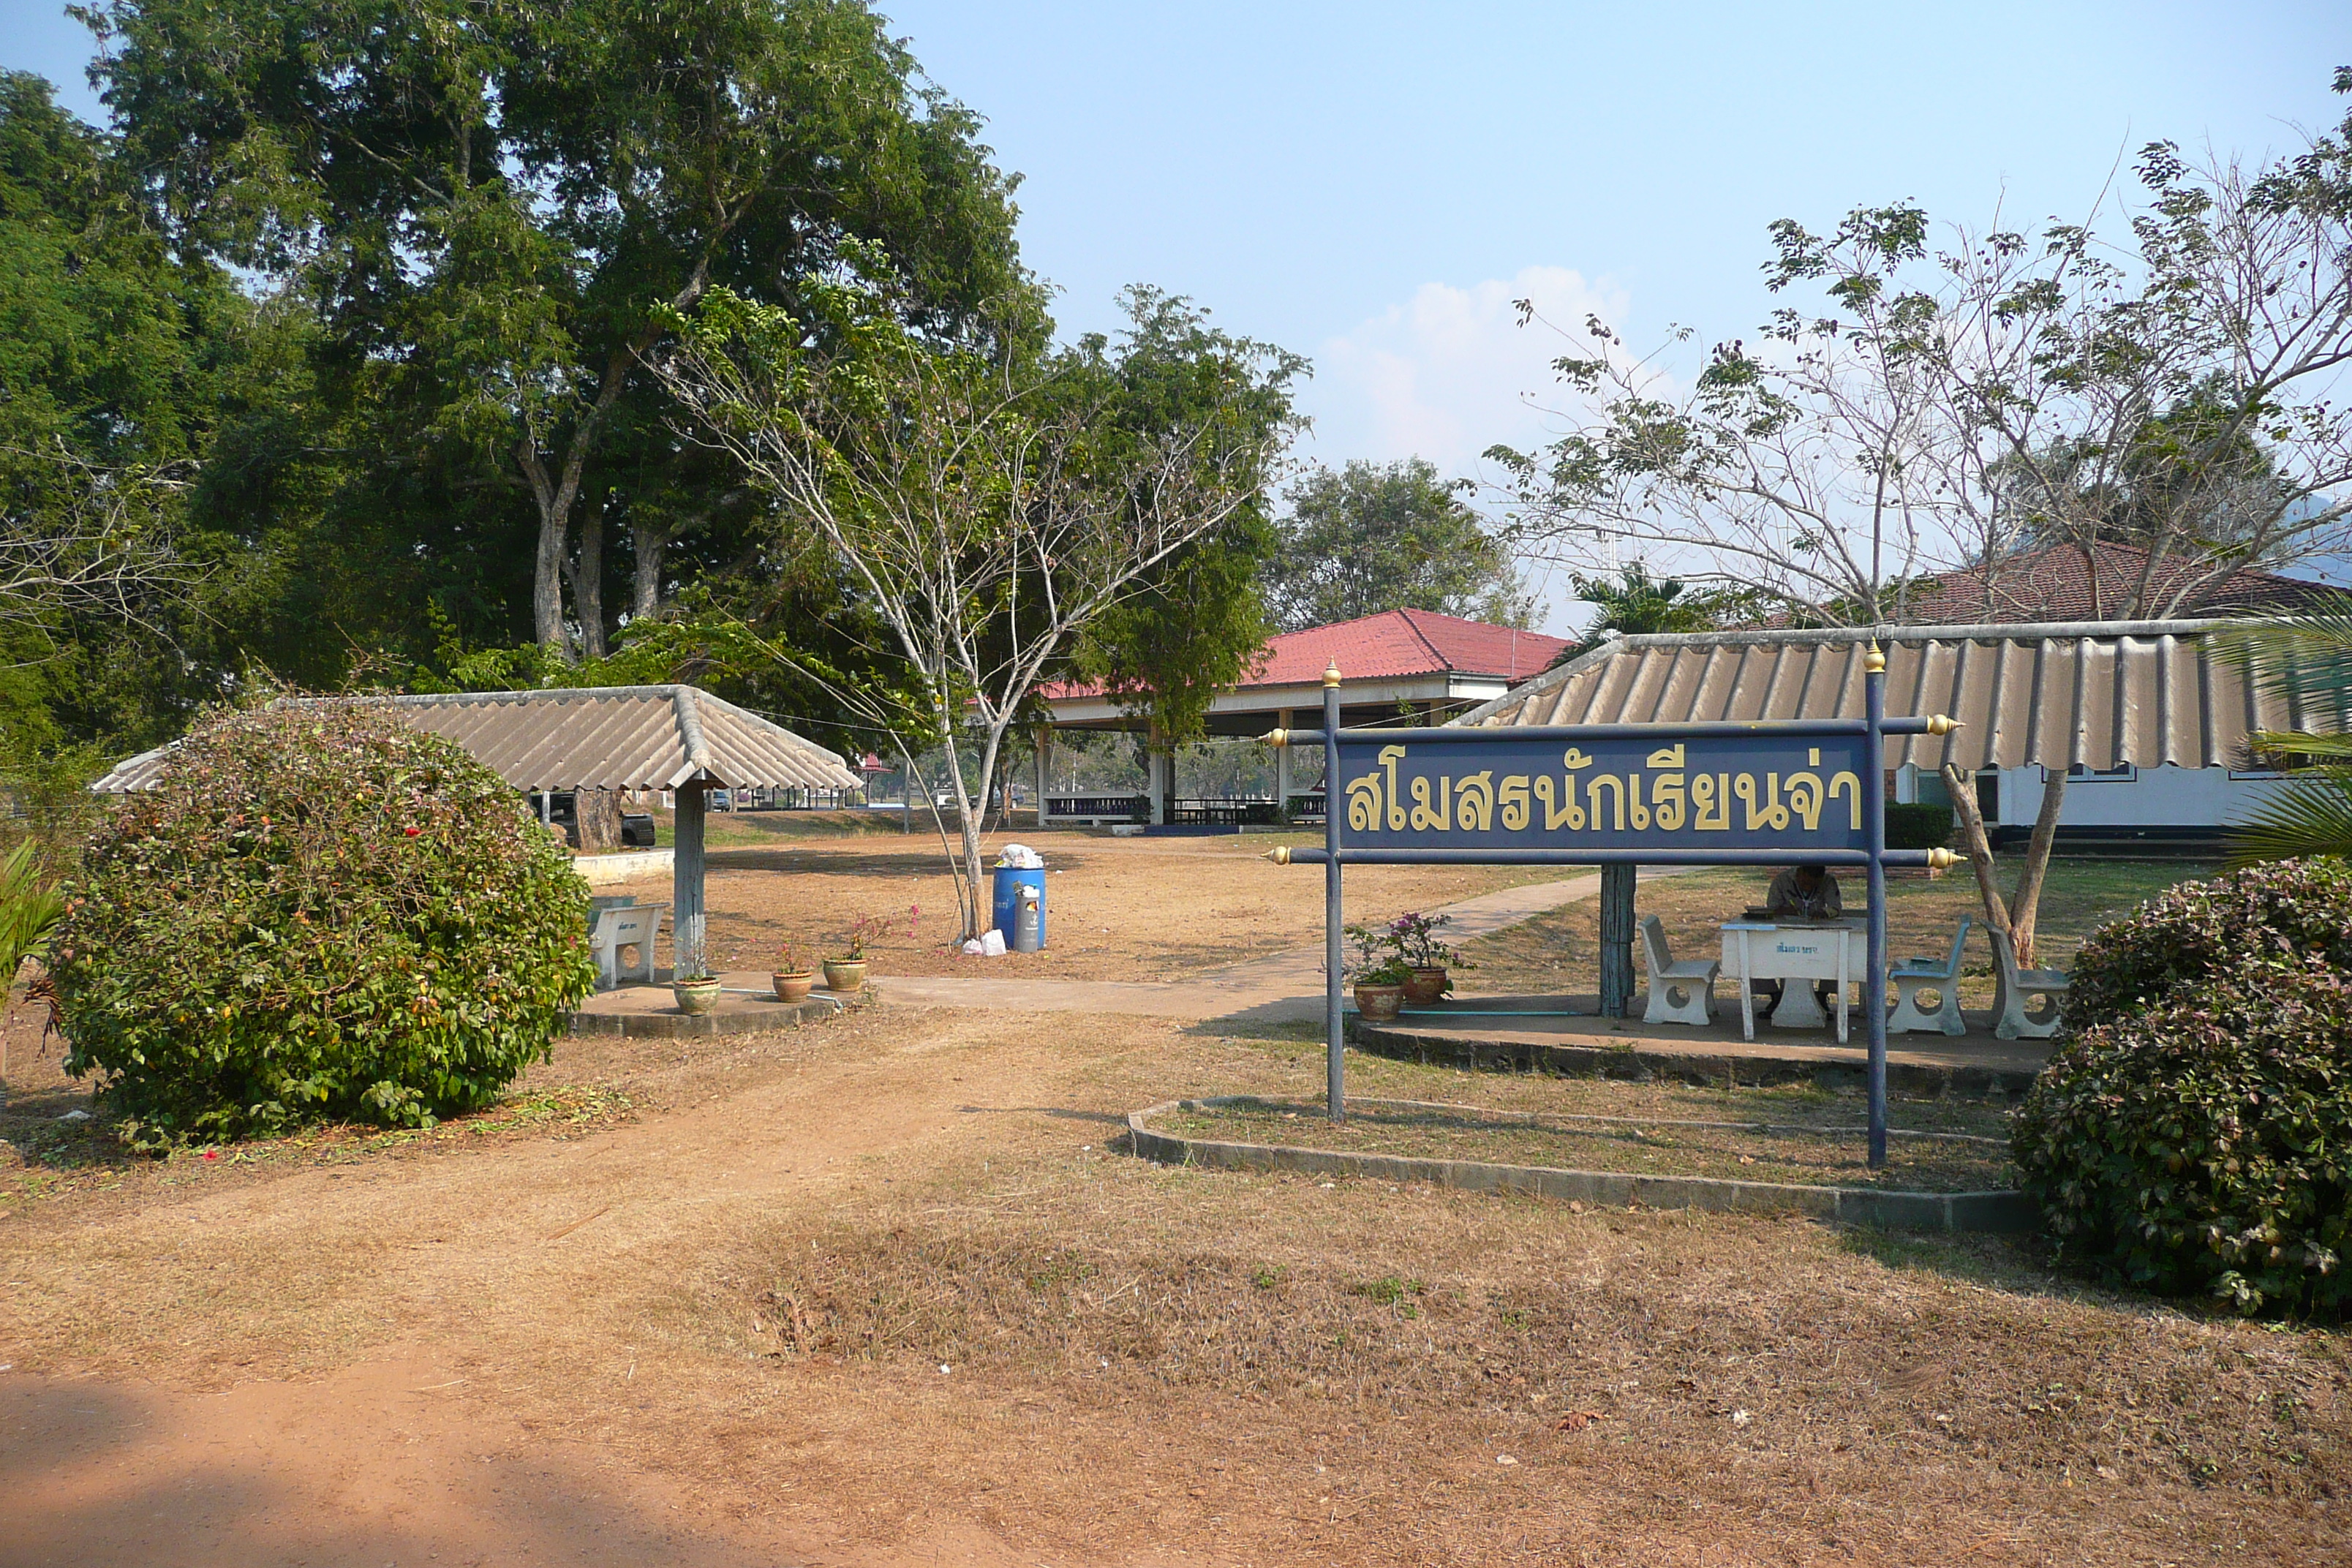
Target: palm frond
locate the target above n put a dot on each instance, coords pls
(2321, 747)
(2304, 658)
(2312, 815)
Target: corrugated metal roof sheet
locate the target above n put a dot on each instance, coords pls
(2098, 693)
(609, 737)
(1392, 644)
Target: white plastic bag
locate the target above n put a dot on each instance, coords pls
(1020, 857)
(992, 944)
(972, 948)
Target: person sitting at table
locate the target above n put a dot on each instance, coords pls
(1802, 893)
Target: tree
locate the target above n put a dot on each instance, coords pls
(1197, 622)
(495, 208)
(1636, 603)
(1388, 536)
(1951, 404)
(986, 512)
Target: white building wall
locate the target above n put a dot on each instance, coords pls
(2152, 797)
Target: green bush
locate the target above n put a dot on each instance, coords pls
(318, 913)
(2196, 930)
(1918, 827)
(2194, 1136)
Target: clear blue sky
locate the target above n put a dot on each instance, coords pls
(1371, 183)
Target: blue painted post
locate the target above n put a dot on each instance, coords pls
(1335, 1070)
(1873, 837)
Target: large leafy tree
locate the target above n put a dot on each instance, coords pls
(1388, 536)
(1198, 621)
(491, 205)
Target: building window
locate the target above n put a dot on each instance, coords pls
(2079, 773)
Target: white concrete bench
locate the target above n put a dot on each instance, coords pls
(1927, 993)
(1692, 981)
(2015, 1014)
(631, 925)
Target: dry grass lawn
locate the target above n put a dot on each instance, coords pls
(884, 1291)
(1117, 908)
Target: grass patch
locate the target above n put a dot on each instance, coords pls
(1808, 1152)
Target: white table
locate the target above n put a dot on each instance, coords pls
(1792, 951)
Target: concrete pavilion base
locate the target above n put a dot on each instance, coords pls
(747, 1006)
(1497, 1032)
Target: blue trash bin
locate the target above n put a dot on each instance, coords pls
(1010, 881)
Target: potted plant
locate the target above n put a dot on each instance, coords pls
(793, 979)
(1414, 937)
(847, 971)
(1380, 977)
(697, 995)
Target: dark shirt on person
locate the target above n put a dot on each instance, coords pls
(1790, 897)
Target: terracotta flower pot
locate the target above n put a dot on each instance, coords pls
(1379, 1004)
(1425, 986)
(695, 998)
(795, 986)
(845, 974)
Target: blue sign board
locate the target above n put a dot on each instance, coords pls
(1706, 792)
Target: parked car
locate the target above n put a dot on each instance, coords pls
(637, 829)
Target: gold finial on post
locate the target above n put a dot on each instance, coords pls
(1940, 724)
(1331, 673)
(1276, 738)
(1941, 859)
(1279, 854)
(1874, 661)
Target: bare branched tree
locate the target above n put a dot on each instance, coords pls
(983, 515)
(82, 536)
(1962, 411)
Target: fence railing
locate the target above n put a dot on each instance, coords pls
(1131, 806)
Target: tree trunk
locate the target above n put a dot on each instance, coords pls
(1979, 846)
(2025, 905)
(587, 575)
(547, 573)
(598, 813)
(651, 543)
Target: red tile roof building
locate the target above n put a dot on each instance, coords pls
(2063, 583)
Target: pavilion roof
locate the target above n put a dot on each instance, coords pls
(598, 737)
(2098, 693)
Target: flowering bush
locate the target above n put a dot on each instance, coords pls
(316, 914)
(2195, 1135)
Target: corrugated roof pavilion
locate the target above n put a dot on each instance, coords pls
(598, 737)
(2101, 694)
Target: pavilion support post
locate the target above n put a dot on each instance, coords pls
(688, 948)
(1043, 736)
(1282, 769)
(1335, 1045)
(1616, 940)
(1874, 840)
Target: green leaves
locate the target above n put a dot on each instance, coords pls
(2195, 1136)
(261, 941)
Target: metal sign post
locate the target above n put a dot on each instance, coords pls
(1809, 792)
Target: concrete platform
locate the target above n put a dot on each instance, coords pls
(1566, 1034)
(747, 1006)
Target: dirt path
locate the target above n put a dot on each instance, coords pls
(417, 1294)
